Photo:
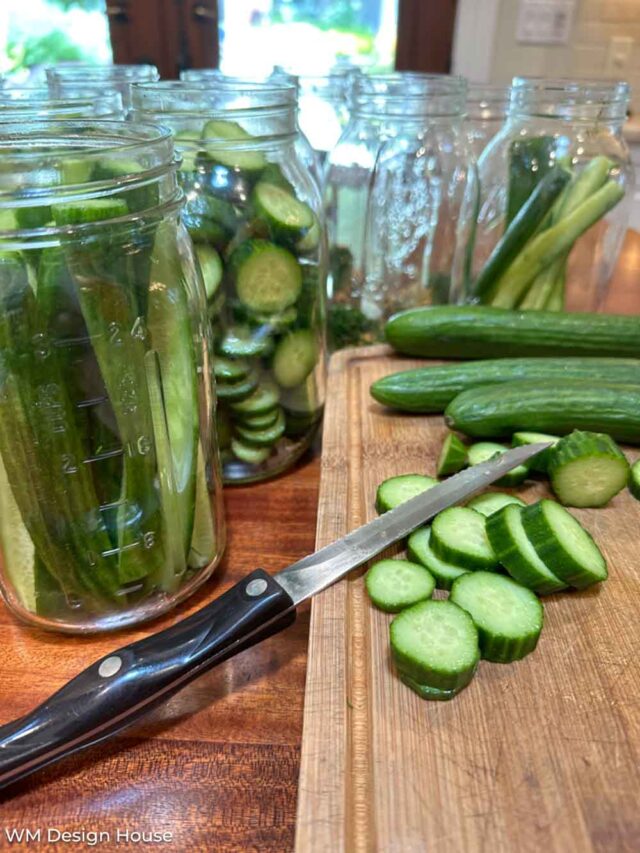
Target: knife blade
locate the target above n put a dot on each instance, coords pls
(118, 689)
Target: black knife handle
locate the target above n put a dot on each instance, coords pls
(118, 689)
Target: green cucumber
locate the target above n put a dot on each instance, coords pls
(477, 331)
(530, 159)
(18, 551)
(393, 585)
(263, 399)
(453, 456)
(634, 479)
(563, 544)
(491, 502)
(248, 453)
(396, 490)
(230, 131)
(508, 616)
(434, 645)
(204, 545)
(558, 407)
(539, 462)
(295, 357)
(516, 553)
(268, 278)
(419, 550)
(587, 469)
(459, 536)
(259, 421)
(264, 436)
(483, 451)
(520, 228)
(211, 268)
(287, 218)
(431, 389)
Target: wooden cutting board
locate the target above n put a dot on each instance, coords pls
(543, 754)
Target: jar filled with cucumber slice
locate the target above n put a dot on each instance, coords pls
(110, 487)
(556, 193)
(400, 189)
(253, 212)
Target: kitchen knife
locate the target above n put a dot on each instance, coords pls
(118, 689)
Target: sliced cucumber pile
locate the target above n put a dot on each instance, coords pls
(259, 246)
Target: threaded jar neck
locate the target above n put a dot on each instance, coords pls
(36, 102)
(487, 103)
(408, 95)
(569, 100)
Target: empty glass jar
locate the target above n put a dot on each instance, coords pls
(565, 133)
(68, 78)
(110, 495)
(486, 111)
(254, 214)
(400, 190)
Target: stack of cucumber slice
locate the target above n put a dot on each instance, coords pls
(259, 247)
(466, 550)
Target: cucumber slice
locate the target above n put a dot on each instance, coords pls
(491, 502)
(265, 437)
(259, 421)
(275, 323)
(203, 540)
(459, 536)
(242, 342)
(419, 549)
(187, 145)
(231, 131)
(268, 278)
(211, 267)
(294, 358)
(88, 210)
(311, 239)
(237, 391)
(453, 456)
(395, 584)
(263, 399)
(516, 553)
(587, 469)
(249, 454)
(18, 552)
(483, 451)
(230, 370)
(288, 218)
(563, 544)
(634, 479)
(426, 692)
(397, 490)
(538, 463)
(507, 615)
(435, 644)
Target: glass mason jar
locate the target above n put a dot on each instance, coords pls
(400, 191)
(575, 126)
(254, 213)
(110, 495)
(36, 102)
(486, 112)
(68, 78)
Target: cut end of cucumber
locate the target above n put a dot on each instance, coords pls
(396, 490)
(395, 584)
(587, 469)
(507, 615)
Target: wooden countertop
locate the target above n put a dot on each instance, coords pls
(217, 767)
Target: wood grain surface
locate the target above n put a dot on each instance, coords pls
(218, 766)
(543, 754)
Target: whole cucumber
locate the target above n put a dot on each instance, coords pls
(475, 331)
(431, 389)
(554, 406)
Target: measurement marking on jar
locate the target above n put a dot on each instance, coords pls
(112, 504)
(94, 401)
(112, 552)
(71, 342)
(106, 454)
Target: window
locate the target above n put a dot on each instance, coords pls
(308, 37)
(41, 32)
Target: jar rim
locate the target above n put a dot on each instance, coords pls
(143, 154)
(409, 95)
(213, 95)
(84, 70)
(40, 94)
